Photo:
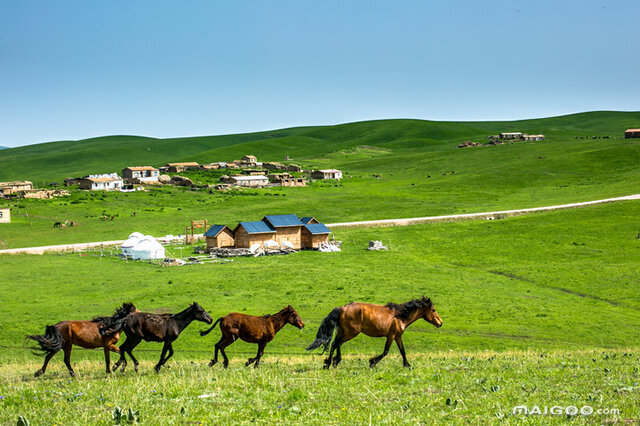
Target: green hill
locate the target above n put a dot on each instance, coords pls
(57, 160)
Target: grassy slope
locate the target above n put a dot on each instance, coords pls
(559, 288)
(405, 152)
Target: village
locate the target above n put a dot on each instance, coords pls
(247, 172)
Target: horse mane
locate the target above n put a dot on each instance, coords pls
(111, 325)
(403, 311)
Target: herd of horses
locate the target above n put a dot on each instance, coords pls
(390, 321)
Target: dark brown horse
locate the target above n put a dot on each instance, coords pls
(388, 321)
(85, 334)
(156, 328)
(260, 330)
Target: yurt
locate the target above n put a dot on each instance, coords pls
(133, 240)
(148, 248)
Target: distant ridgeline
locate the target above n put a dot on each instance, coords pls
(3, 147)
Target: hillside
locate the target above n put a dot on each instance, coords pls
(54, 161)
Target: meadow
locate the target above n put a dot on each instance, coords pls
(422, 174)
(538, 309)
(542, 309)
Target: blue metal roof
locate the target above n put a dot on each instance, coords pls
(214, 230)
(257, 227)
(306, 219)
(283, 220)
(317, 228)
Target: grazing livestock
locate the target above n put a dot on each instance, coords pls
(85, 334)
(252, 329)
(390, 321)
(156, 328)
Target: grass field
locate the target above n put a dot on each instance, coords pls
(541, 310)
(552, 297)
(415, 159)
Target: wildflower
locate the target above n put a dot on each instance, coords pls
(1, 396)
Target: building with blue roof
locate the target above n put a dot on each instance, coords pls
(249, 233)
(314, 234)
(219, 236)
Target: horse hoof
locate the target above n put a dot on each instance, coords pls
(37, 373)
(212, 363)
(326, 366)
(407, 365)
(225, 365)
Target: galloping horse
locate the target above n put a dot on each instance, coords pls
(156, 328)
(260, 330)
(388, 321)
(85, 334)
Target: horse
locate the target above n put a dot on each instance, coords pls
(156, 328)
(85, 334)
(251, 329)
(390, 321)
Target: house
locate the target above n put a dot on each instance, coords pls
(511, 135)
(247, 234)
(219, 236)
(249, 181)
(287, 228)
(533, 137)
(249, 159)
(104, 182)
(632, 133)
(15, 187)
(5, 215)
(140, 174)
(314, 234)
(327, 174)
(293, 182)
(254, 172)
(308, 219)
(180, 167)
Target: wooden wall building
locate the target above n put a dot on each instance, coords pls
(247, 234)
(288, 228)
(5, 215)
(219, 236)
(314, 234)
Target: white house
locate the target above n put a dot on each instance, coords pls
(5, 215)
(105, 182)
(327, 174)
(533, 137)
(251, 181)
(141, 174)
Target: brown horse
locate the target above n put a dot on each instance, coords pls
(85, 334)
(388, 321)
(260, 330)
(156, 328)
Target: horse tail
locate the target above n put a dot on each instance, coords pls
(325, 332)
(50, 342)
(207, 331)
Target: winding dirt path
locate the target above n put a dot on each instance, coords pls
(366, 223)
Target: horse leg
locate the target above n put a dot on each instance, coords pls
(107, 360)
(261, 347)
(123, 358)
(376, 359)
(44, 366)
(130, 349)
(214, 361)
(67, 358)
(166, 348)
(223, 345)
(405, 363)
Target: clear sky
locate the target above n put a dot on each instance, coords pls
(77, 69)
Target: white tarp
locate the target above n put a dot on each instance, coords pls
(143, 247)
(287, 244)
(270, 243)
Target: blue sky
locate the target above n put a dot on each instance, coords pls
(78, 69)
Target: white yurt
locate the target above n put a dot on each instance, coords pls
(133, 240)
(148, 248)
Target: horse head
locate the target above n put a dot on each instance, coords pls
(430, 314)
(293, 318)
(200, 314)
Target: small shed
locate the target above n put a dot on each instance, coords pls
(219, 236)
(249, 233)
(288, 227)
(327, 174)
(313, 234)
(632, 133)
(251, 159)
(533, 137)
(5, 215)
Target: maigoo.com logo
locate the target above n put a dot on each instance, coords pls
(557, 410)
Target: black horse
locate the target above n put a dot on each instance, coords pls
(156, 328)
